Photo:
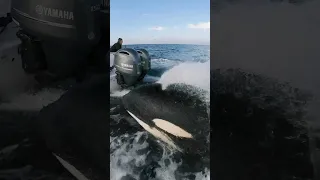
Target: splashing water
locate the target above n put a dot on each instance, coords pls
(132, 152)
(196, 74)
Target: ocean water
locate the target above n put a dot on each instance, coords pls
(135, 154)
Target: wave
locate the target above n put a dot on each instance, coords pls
(195, 74)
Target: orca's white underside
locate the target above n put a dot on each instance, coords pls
(166, 127)
(155, 132)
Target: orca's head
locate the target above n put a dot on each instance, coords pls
(174, 115)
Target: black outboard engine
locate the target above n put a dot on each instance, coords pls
(145, 62)
(60, 38)
(131, 66)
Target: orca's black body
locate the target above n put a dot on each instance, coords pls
(257, 125)
(173, 105)
(76, 127)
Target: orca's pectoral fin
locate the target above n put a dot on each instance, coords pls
(156, 132)
(74, 171)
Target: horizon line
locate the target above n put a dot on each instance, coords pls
(165, 44)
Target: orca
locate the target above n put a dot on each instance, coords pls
(173, 115)
(75, 128)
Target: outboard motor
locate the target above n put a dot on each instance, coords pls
(127, 62)
(60, 38)
(131, 66)
(145, 62)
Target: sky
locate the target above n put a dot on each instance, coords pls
(160, 21)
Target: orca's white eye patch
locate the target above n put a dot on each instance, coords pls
(155, 132)
(171, 128)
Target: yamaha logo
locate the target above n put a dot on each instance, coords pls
(126, 65)
(56, 13)
(39, 9)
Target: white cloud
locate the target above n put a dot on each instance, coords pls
(157, 28)
(201, 25)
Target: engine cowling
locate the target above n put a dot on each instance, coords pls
(145, 60)
(128, 66)
(67, 31)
